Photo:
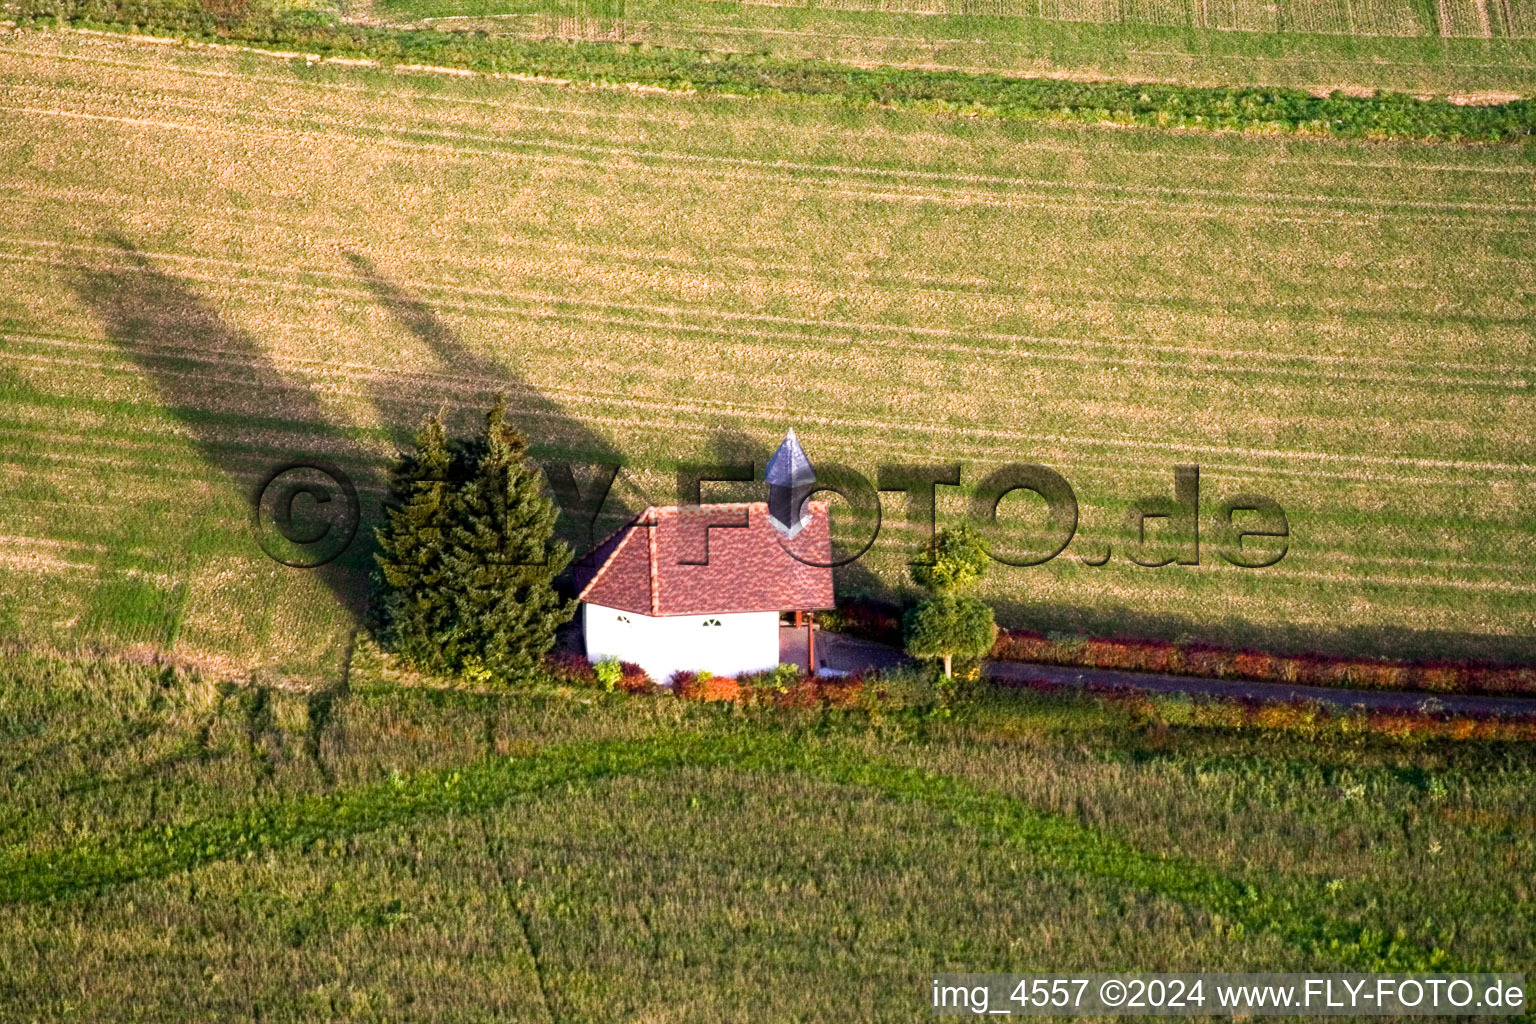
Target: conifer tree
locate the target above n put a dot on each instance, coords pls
(468, 557)
(501, 560)
(408, 606)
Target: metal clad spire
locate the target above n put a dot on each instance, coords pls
(789, 464)
(790, 478)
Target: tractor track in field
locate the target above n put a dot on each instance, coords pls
(1033, 438)
(860, 332)
(910, 279)
(1233, 472)
(1285, 379)
(1261, 206)
(1086, 295)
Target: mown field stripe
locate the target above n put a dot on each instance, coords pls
(1059, 844)
(922, 184)
(1030, 194)
(1117, 349)
(1036, 437)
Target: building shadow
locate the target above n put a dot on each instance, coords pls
(218, 383)
(731, 446)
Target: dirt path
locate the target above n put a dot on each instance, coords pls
(1375, 700)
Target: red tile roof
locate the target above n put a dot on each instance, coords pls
(751, 567)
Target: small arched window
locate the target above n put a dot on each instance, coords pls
(711, 622)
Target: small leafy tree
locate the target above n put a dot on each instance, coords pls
(467, 567)
(959, 562)
(947, 626)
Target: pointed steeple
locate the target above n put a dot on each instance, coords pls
(790, 481)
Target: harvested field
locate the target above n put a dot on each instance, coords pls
(217, 263)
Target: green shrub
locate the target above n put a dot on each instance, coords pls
(900, 689)
(610, 673)
(946, 627)
(959, 563)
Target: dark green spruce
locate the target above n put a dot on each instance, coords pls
(411, 576)
(468, 559)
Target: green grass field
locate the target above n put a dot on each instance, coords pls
(218, 263)
(399, 853)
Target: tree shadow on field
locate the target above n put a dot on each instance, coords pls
(732, 446)
(554, 434)
(246, 418)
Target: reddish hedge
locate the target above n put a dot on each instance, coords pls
(693, 686)
(577, 670)
(574, 669)
(1308, 717)
(1211, 661)
(759, 689)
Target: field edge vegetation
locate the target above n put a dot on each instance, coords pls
(1252, 110)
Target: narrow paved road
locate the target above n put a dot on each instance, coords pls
(1373, 700)
(840, 653)
(837, 652)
